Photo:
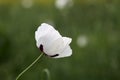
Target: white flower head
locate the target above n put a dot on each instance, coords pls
(61, 4)
(82, 41)
(50, 42)
(27, 3)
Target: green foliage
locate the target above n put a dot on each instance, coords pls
(98, 60)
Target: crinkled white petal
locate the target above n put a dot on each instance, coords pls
(58, 45)
(42, 30)
(65, 53)
(45, 35)
(55, 47)
(67, 40)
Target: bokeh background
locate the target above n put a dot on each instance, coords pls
(94, 26)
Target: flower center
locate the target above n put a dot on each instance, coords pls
(41, 47)
(54, 55)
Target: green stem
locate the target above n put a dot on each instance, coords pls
(47, 72)
(29, 66)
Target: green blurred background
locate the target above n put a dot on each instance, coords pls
(94, 26)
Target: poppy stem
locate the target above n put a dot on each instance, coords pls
(47, 72)
(29, 66)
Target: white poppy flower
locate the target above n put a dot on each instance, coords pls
(50, 42)
(61, 4)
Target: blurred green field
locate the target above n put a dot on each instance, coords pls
(94, 26)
